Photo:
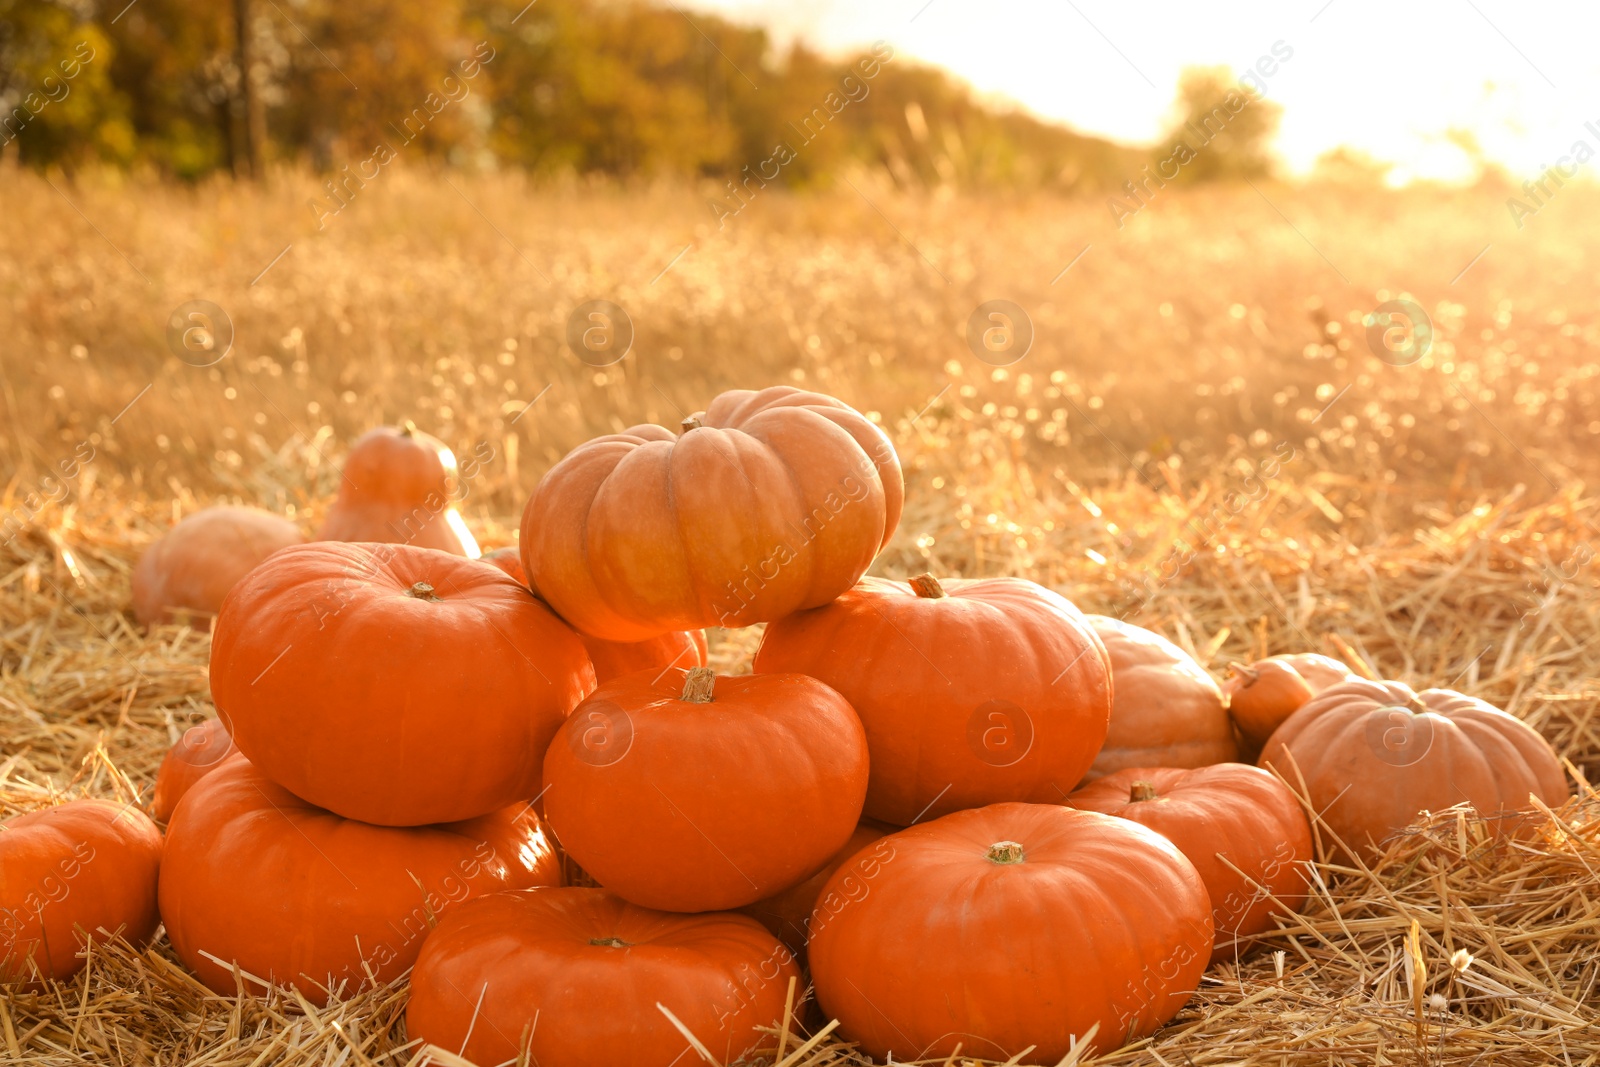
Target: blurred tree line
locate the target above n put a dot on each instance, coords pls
(619, 87)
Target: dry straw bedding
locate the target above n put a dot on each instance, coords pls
(1449, 950)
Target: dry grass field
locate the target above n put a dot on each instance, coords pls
(1200, 438)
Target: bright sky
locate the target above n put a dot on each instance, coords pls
(1400, 80)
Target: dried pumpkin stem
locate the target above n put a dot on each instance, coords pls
(927, 587)
(1141, 791)
(408, 428)
(610, 942)
(1415, 703)
(698, 684)
(423, 591)
(1005, 852)
(1244, 670)
(693, 422)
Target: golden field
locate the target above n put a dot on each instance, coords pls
(1200, 437)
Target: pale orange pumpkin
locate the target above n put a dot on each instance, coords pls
(398, 487)
(186, 572)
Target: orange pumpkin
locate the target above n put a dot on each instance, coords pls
(1168, 711)
(765, 504)
(971, 692)
(1006, 927)
(196, 754)
(394, 684)
(1371, 756)
(1263, 694)
(613, 659)
(187, 571)
(1243, 830)
(683, 791)
(579, 977)
(788, 914)
(258, 878)
(398, 487)
(79, 870)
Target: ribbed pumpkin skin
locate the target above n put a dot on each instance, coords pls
(200, 750)
(1102, 921)
(1265, 693)
(534, 955)
(1375, 755)
(387, 707)
(1168, 711)
(88, 864)
(300, 896)
(787, 914)
(397, 488)
(1230, 812)
(706, 806)
(187, 571)
(996, 691)
(778, 501)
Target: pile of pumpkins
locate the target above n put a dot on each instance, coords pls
(975, 815)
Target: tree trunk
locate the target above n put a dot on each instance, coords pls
(255, 113)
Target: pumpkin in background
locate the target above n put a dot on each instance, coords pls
(1011, 926)
(766, 503)
(613, 659)
(1263, 694)
(187, 571)
(683, 791)
(256, 876)
(398, 487)
(591, 970)
(1372, 756)
(394, 684)
(971, 692)
(197, 753)
(1168, 711)
(1243, 830)
(71, 871)
(787, 915)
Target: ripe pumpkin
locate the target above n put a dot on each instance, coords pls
(971, 692)
(68, 873)
(787, 915)
(257, 877)
(394, 684)
(1168, 711)
(186, 572)
(1243, 830)
(196, 754)
(577, 977)
(398, 487)
(613, 659)
(683, 791)
(1374, 755)
(766, 503)
(1263, 694)
(1008, 926)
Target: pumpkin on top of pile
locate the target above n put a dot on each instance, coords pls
(963, 807)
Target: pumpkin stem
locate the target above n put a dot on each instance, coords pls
(698, 684)
(1141, 791)
(610, 942)
(1415, 703)
(927, 587)
(423, 591)
(1244, 670)
(692, 422)
(1005, 852)
(408, 428)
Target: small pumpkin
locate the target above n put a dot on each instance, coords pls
(399, 487)
(197, 753)
(1263, 694)
(1372, 756)
(613, 659)
(1008, 927)
(577, 977)
(1243, 830)
(764, 504)
(971, 692)
(186, 572)
(788, 914)
(1168, 711)
(258, 878)
(683, 791)
(72, 872)
(393, 684)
